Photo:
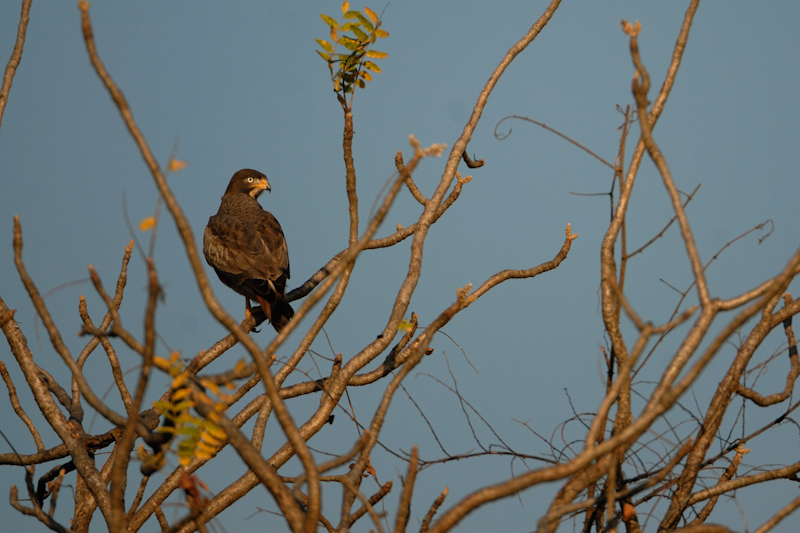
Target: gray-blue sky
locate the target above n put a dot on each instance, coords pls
(240, 86)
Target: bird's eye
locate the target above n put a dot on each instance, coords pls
(250, 179)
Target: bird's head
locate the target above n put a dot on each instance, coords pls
(248, 181)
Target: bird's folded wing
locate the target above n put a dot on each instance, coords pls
(231, 247)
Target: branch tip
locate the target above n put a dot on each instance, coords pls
(463, 292)
(631, 29)
(568, 232)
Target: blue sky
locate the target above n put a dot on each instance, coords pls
(241, 86)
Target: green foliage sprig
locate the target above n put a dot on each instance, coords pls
(198, 437)
(355, 32)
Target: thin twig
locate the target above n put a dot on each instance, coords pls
(404, 511)
(16, 56)
(503, 136)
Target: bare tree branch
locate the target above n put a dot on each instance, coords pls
(16, 56)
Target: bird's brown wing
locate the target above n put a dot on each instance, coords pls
(250, 254)
(272, 237)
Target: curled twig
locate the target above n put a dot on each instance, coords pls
(503, 136)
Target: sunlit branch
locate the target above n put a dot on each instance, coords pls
(16, 56)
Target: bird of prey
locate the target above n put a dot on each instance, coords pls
(246, 247)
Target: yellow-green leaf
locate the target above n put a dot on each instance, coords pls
(176, 165)
(183, 406)
(203, 456)
(161, 363)
(376, 54)
(180, 380)
(381, 33)
(345, 6)
(214, 416)
(349, 64)
(203, 447)
(351, 15)
(147, 223)
(325, 45)
(162, 405)
(141, 453)
(187, 445)
(360, 33)
(334, 35)
(215, 431)
(185, 454)
(210, 385)
(190, 432)
(330, 21)
(361, 83)
(210, 439)
(348, 43)
(365, 22)
(372, 66)
(366, 75)
(326, 57)
(181, 394)
(371, 14)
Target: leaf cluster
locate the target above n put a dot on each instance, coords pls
(199, 437)
(356, 32)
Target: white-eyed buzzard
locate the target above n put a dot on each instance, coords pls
(247, 249)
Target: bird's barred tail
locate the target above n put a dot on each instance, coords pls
(278, 312)
(282, 312)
